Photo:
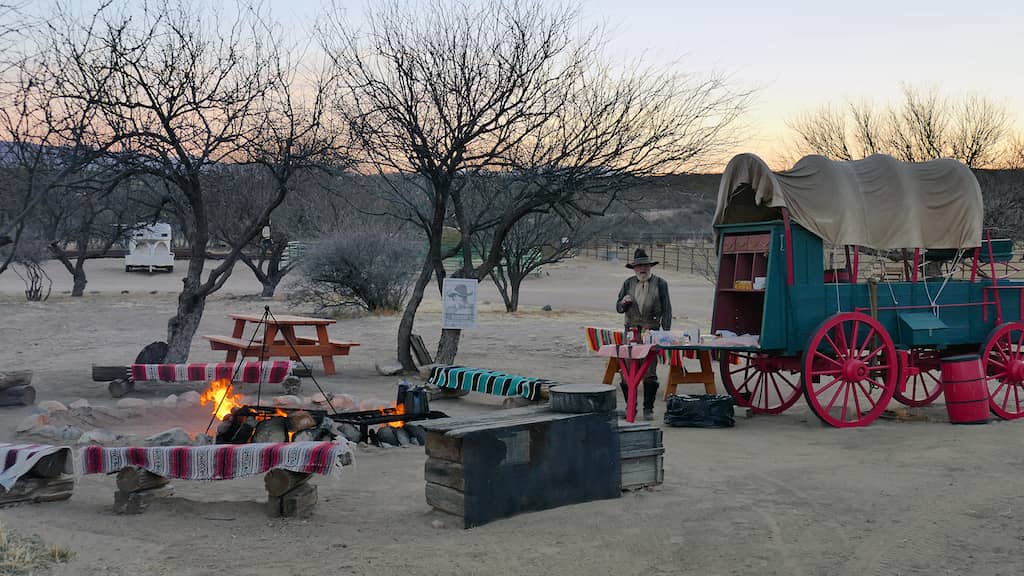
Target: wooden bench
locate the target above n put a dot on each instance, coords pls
(288, 491)
(42, 473)
(303, 347)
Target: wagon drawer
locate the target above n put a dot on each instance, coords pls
(918, 328)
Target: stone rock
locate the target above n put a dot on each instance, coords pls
(546, 308)
(343, 402)
(321, 398)
(403, 437)
(190, 398)
(416, 433)
(350, 432)
(202, 440)
(386, 435)
(388, 367)
(437, 524)
(79, 404)
(132, 403)
(288, 401)
(292, 384)
(108, 412)
(53, 406)
(98, 436)
(70, 433)
(45, 431)
(29, 422)
(172, 437)
(171, 401)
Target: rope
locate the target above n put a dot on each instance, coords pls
(238, 367)
(304, 365)
(933, 302)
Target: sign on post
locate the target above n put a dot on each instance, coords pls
(458, 307)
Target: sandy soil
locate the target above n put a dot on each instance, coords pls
(774, 495)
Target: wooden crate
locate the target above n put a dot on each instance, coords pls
(490, 467)
(642, 455)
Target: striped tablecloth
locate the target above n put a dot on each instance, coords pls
(221, 461)
(597, 337)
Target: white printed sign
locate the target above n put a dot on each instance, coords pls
(458, 307)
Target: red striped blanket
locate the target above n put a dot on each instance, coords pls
(221, 461)
(17, 459)
(251, 372)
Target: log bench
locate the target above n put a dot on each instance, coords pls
(16, 388)
(144, 474)
(35, 473)
(122, 379)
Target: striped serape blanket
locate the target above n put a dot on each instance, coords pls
(486, 381)
(251, 372)
(597, 337)
(17, 459)
(221, 461)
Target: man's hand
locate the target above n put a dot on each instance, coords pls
(627, 300)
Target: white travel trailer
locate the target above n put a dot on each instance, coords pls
(149, 248)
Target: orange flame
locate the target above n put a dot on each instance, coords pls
(399, 409)
(222, 400)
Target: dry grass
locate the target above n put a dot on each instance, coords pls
(27, 555)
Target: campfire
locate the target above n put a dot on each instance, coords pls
(242, 423)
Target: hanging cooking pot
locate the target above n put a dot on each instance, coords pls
(416, 401)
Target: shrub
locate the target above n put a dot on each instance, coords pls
(368, 267)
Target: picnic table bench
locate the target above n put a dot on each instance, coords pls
(280, 340)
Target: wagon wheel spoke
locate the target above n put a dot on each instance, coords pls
(1003, 360)
(867, 341)
(818, 354)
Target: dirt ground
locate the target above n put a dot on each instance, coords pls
(774, 495)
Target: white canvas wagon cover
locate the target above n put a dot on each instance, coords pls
(878, 202)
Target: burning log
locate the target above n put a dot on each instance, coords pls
(279, 482)
(274, 429)
(300, 420)
(134, 479)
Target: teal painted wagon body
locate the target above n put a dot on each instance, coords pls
(848, 344)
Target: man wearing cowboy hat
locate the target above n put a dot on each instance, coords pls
(645, 302)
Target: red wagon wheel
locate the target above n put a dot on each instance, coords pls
(760, 382)
(850, 369)
(923, 380)
(1003, 360)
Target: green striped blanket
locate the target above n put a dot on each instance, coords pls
(486, 381)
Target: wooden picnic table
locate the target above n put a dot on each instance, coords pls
(281, 339)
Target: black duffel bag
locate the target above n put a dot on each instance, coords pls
(700, 411)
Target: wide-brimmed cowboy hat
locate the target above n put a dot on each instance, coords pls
(641, 257)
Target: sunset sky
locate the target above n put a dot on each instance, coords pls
(805, 53)
(802, 54)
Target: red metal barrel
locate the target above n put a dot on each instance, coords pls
(965, 388)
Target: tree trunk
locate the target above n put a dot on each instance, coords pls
(514, 307)
(409, 315)
(268, 288)
(191, 303)
(78, 288)
(448, 346)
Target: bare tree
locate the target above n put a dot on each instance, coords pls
(443, 91)
(922, 127)
(179, 89)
